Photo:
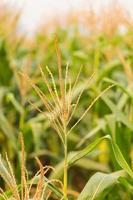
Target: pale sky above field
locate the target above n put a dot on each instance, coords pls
(36, 11)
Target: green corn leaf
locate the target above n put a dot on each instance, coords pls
(98, 183)
(7, 129)
(117, 153)
(120, 116)
(124, 89)
(107, 69)
(5, 68)
(120, 159)
(16, 104)
(86, 150)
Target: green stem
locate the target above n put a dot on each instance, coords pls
(65, 167)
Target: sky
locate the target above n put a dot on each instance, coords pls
(36, 11)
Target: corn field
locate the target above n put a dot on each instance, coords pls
(66, 107)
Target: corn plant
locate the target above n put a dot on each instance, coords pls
(29, 188)
(60, 111)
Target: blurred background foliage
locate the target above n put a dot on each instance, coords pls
(99, 43)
